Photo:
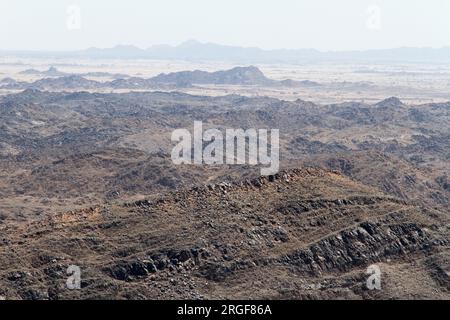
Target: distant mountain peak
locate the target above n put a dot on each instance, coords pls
(7, 80)
(248, 70)
(390, 102)
(190, 43)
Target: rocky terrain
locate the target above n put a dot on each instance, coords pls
(123, 140)
(54, 80)
(86, 178)
(303, 233)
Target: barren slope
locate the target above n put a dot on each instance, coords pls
(304, 233)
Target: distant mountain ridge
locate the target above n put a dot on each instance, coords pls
(54, 72)
(51, 72)
(197, 51)
(249, 75)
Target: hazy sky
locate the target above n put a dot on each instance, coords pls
(320, 24)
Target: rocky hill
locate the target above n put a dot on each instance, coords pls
(303, 233)
(238, 75)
